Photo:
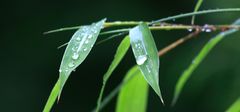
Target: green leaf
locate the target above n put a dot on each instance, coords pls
(78, 49)
(120, 53)
(146, 55)
(52, 97)
(202, 54)
(197, 6)
(235, 107)
(133, 95)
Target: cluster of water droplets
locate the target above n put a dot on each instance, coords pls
(141, 54)
(81, 42)
(206, 28)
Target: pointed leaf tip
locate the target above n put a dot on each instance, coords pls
(146, 55)
(120, 53)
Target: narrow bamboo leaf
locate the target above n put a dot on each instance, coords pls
(120, 53)
(110, 37)
(133, 95)
(52, 97)
(78, 48)
(202, 54)
(115, 31)
(197, 6)
(235, 107)
(146, 55)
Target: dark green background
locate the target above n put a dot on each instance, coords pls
(30, 61)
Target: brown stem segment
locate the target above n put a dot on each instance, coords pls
(178, 42)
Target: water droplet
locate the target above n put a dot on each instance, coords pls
(78, 38)
(75, 56)
(85, 49)
(85, 28)
(74, 48)
(141, 59)
(90, 36)
(148, 68)
(66, 71)
(71, 65)
(86, 41)
(190, 29)
(60, 70)
(208, 30)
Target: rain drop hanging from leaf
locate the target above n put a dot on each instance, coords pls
(146, 55)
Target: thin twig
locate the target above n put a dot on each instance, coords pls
(130, 23)
(194, 13)
(112, 36)
(121, 23)
(177, 43)
(179, 27)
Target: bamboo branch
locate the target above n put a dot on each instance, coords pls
(177, 43)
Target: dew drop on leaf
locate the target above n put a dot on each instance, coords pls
(190, 29)
(86, 41)
(75, 56)
(78, 39)
(71, 64)
(208, 30)
(141, 59)
(90, 36)
(78, 49)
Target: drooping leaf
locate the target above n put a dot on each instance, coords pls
(52, 98)
(146, 55)
(78, 48)
(120, 53)
(235, 107)
(133, 95)
(198, 59)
